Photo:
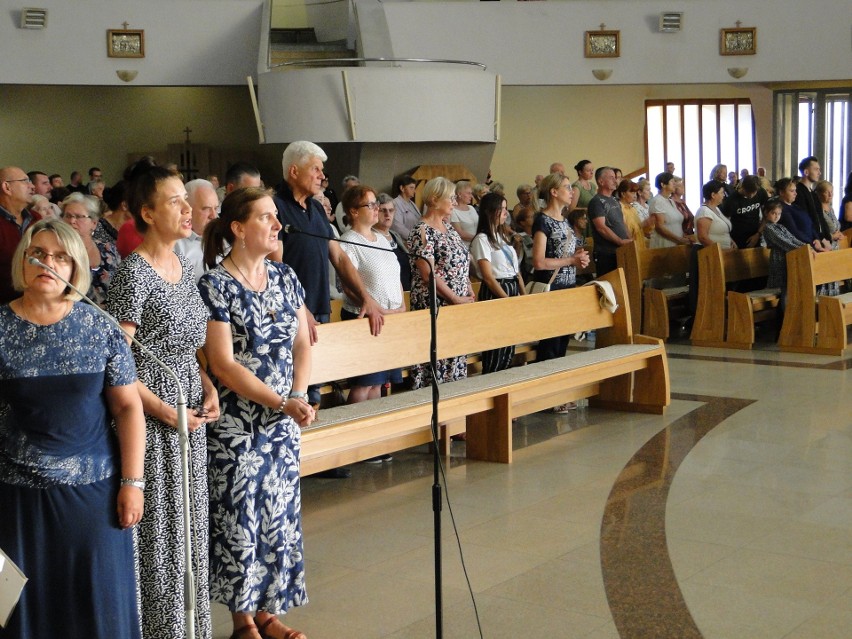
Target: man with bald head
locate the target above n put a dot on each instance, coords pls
(204, 201)
(16, 193)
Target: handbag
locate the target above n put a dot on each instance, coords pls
(540, 287)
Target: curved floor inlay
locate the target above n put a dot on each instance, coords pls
(640, 583)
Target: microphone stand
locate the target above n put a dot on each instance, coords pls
(437, 501)
(183, 434)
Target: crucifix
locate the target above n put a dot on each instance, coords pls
(188, 160)
(125, 24)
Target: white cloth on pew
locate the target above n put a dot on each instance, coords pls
(607, 294)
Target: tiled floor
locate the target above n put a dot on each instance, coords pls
(730, 517)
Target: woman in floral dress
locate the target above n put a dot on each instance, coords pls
(435, 241)
(259, 354)
(154, 296)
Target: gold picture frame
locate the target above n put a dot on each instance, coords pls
(126, 43)
(738, 41)
(603, 44)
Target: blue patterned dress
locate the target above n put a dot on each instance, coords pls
(59, 466)
(256, 556)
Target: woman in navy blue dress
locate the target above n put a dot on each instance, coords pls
(258, 350)
(70, 485)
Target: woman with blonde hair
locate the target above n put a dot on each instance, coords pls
(72, 442)
(434, 242)
(555, 256)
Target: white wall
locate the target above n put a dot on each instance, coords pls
(388, 104)
(542, 43)
(187, 42)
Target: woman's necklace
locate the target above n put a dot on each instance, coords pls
(257, 291)
(168, 273)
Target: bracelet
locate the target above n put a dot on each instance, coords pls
(280, 408)
(136, 482)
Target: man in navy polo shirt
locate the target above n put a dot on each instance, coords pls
(309, 256)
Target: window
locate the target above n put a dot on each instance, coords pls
(815, 123)
(696, 135)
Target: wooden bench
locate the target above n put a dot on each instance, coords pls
(816, 324)
(652, 306)
(624, 372)
(726, 319)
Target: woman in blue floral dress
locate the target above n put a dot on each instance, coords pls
(435, 241)
(258, 350)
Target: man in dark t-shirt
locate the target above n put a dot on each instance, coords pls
(310, 256)
(608, 228)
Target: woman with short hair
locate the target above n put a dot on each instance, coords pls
(72, 443)
(82, 213)
(711, 225)
(434, 242)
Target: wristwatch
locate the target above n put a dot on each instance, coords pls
(298, 395)
(136, 482)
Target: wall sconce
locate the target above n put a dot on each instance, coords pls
(737, 72)
(602, 74)
(127, 75)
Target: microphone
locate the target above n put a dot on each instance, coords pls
(183, 434)
(289, 229)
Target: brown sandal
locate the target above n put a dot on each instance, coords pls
(239, 632)
(289, 633)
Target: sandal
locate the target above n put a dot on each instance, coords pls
(239, 632)
(289, 633)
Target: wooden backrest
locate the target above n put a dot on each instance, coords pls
(659, 262)
(744, 264)
(627, 257)
(346, 348)
(809, 269)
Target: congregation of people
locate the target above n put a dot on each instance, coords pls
(226, 286)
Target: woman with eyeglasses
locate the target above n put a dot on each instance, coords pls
(81, 213)
(71, 483)
(372, 256)
(387, 212)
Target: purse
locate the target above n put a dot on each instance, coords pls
(540, 287)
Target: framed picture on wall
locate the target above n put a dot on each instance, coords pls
(603, 44)
(738, 41)
(126, 43)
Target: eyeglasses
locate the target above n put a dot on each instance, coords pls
(388, 209)
(71, 218)
(26, 180)
(369, 205)
(60, 259)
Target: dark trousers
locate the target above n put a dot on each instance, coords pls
(314, 396)
(501, 358)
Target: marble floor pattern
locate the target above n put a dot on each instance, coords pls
(729, 517)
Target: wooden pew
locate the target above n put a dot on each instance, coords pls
(726, 319)
(651, 306)
(624, 372)
(816, 324)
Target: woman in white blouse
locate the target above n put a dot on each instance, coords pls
(464, 218)
(711, 225)
(668, 229)
(497, 266)
(373, 257)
